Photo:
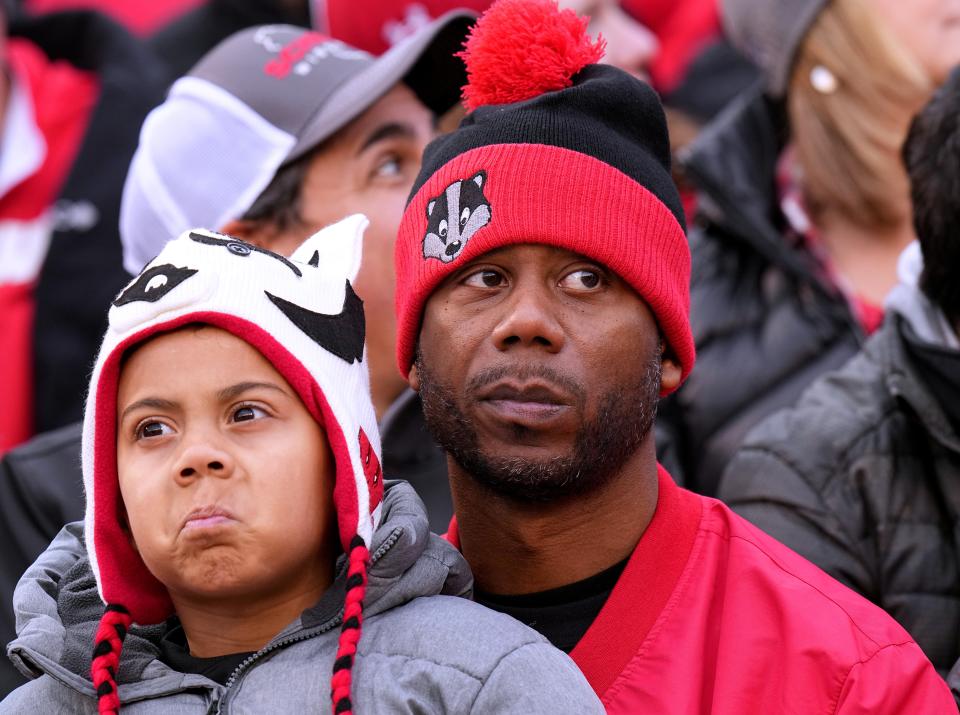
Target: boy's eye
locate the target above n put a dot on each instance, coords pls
(247, 413)
(582, 279)
(152, 428)
(485, 279)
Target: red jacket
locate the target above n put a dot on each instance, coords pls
(62, 98)
(711, 615)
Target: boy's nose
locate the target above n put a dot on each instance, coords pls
(203, 459)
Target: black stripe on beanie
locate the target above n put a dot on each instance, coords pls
(606, 114)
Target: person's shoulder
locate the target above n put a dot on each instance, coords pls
(809, 608)
(452, 651)
(836, 419)
(46, 695)
(459, 633)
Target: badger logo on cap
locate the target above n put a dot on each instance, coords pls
(454, 216)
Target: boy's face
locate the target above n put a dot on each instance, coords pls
(226, 478)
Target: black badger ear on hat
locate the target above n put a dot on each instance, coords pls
(342, 334)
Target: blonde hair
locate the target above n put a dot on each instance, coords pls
(848, 141)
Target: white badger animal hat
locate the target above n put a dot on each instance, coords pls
(303, 316)
(301, 313)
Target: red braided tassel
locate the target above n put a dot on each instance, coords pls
(106, 657)
(359, 557)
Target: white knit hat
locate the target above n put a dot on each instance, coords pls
(302, 315)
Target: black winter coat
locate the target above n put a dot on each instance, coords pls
(764, 324)
(862, 477)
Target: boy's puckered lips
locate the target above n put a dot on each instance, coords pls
(205, 517)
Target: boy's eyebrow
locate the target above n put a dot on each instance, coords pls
(234, 391)
(154, 403)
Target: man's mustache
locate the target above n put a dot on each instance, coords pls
(525, 373)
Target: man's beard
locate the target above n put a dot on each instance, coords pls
(601, 446)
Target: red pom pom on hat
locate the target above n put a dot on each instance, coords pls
(522, 48)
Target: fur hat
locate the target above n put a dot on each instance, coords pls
(556, 150)
(302, 315)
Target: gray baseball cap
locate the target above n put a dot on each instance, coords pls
(769, 32)
(260, 99)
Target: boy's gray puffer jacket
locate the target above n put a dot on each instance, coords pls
(424, 648)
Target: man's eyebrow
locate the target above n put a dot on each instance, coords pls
(393, 130)
(234, 391)
(154, 403)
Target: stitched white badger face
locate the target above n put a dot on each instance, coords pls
(301, 313)
(454, 216)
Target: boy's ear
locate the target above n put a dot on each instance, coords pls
(336, 249)
(248, 231)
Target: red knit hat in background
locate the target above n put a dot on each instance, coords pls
(556, 150)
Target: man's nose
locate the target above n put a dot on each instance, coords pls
(530, 320)
(203, 456)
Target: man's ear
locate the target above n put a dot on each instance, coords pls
(413, 378)
(670, 370)
(249, 231)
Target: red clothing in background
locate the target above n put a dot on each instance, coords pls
(711, 615)
(59, 99)
(683, 28)
(139, 16)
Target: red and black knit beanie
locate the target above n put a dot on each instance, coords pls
(555, 150)
(302, 315)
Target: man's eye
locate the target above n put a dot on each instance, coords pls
(152, 428)
(390, 167)
(485, 279)
(583, 279)
(247, 413)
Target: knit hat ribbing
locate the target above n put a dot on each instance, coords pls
(302, 315)
(585, 167)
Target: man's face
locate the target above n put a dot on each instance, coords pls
(369, 167)
(630, 45)
(226, 478)
(540, 371)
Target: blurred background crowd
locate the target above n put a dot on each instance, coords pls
(824, 404)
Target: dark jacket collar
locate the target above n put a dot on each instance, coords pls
(905, 383)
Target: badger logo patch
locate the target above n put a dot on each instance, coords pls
(454, 216)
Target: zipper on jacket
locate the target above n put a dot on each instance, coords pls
(325, 628)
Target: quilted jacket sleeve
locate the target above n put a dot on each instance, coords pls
(536, 678)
